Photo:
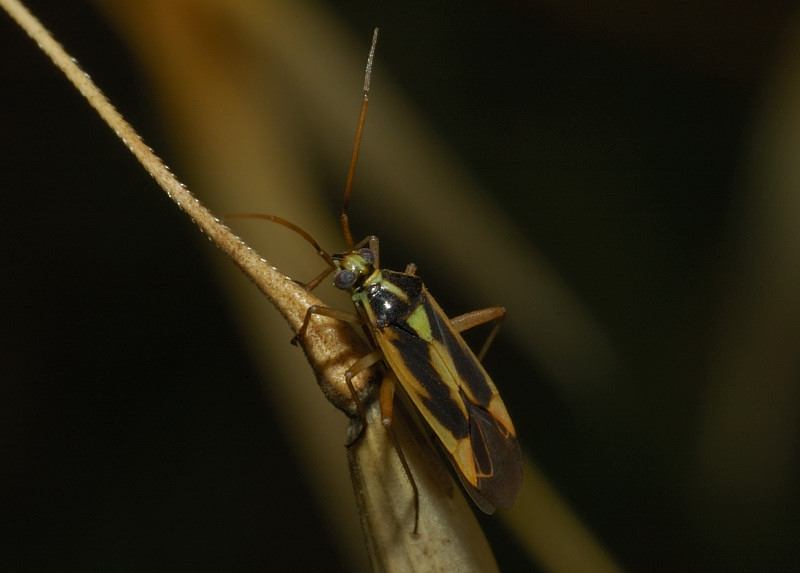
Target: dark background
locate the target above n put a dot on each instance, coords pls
(615, 138)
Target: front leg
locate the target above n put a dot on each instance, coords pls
(324, 311)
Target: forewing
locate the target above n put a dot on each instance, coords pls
(458, 400)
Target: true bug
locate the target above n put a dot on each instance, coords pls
(439, 375)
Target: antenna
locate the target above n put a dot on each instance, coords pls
(348, 187)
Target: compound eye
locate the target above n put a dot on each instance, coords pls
(344, 279)
(367, 255)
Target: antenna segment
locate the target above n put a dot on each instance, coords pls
(348, 187)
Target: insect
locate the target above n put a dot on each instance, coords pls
(425, 355)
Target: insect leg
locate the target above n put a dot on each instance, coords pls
(386, 392)
(387, 408)
(387, 399)
(358, 366)
(476, 318)
(323, 311)
(374, 246)
(314, 283)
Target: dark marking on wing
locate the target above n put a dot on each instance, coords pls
(465, 362)
(415, 353)
(497, 458)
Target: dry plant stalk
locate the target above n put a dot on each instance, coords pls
(449, 537)
(330, 346)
